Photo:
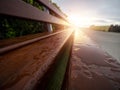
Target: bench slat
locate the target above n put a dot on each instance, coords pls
(53, 8)
(21, 9)
(24, 66)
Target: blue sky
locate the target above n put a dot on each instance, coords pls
(101, 12)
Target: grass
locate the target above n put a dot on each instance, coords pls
(100, 28)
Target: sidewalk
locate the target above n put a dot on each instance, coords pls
(91, 67)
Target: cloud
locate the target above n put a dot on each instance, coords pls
(101, 21)
(107, 10)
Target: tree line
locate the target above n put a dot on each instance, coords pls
(111, 28)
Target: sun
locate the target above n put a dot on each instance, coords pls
(80, 21)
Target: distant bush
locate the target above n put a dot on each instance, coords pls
(99, 28)
(114, 28)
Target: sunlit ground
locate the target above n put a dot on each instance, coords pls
(78, 22)
(78, 35)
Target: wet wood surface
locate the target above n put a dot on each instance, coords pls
(92, 68)
(23, 67)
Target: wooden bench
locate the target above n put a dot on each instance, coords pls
(32, 64)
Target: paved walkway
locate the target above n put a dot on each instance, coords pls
(109, 41)
(91, 67)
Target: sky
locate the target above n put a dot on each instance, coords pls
(91, 12)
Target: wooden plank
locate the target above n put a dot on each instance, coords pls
(21, 9)
(21, 68)
(17, 45)
(53, 8)
(55, 77)
(56, 80)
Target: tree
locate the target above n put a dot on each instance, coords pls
(114, 28)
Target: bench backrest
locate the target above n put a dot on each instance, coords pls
(19, 8)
